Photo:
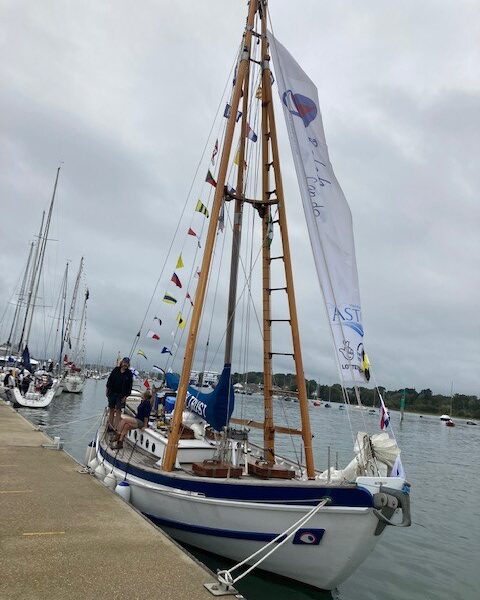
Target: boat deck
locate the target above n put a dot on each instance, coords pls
(135, 456)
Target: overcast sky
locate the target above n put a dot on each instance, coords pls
(124, 95)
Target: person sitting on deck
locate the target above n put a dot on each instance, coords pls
(139, 421)
(44, 384)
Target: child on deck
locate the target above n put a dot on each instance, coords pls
(139, 421)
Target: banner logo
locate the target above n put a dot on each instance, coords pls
(305, 108)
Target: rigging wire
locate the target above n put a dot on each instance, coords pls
(136, 339)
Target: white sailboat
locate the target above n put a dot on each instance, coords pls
(43, 386)
(73, 378)
(199, 477)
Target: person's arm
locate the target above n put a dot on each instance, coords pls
(109, 382)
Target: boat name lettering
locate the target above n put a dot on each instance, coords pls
(196, 405)
(347, 314)
(317, 181)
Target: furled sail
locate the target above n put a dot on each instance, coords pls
(215, 407)
(326, 209)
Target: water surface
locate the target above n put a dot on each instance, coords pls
(436, 558)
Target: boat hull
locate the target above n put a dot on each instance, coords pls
(73, 384)
(324, 553)
(34, 399)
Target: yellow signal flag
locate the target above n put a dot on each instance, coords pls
(181, 322)
(258, 93)
(180, 264)
(201, 208)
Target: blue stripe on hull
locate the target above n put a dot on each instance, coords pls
(213, 531)
(307, 495)
(253, 536)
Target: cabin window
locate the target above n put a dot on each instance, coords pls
(153, 447)
(147, 443)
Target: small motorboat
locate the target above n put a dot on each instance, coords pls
(327, 405)
(445, 418)
(449, 423)
(317, 403)
(471, 423)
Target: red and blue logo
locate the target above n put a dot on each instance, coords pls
(300, 106)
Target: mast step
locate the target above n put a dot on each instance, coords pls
(279, 320)
(276, 258)
(264, 470)
(281, 354)
(277, 289)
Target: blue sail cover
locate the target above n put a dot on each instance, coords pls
(215, 407)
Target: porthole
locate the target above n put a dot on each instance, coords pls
(141, 438)
(153, 447)
(147, 443)
(135, 434)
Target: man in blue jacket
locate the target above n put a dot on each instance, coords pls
(119, 386)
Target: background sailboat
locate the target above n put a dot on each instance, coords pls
(42, 387)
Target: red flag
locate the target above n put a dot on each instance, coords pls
(176, 280)
(189, 298)
(209, 179)
(191, 232)
(146, 384)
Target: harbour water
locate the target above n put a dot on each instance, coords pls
(436, 558)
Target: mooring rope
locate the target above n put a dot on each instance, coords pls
(70, 422)
(226, 578)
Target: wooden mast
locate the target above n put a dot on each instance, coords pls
(243, 67)
(267, 107)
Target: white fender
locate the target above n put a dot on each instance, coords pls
(123, 490)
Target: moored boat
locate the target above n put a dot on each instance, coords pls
(199, 474)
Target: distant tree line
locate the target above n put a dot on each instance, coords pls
(424, 401)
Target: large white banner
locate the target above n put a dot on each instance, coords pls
(326, 209)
